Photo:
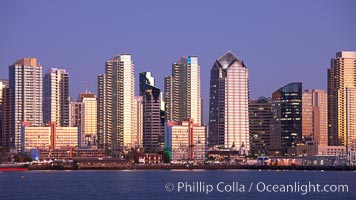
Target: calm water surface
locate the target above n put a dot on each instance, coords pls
(112, 185)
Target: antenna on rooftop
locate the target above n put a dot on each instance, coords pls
(86, 87)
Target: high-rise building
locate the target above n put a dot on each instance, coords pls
(153, 128)
(101, 111)
(265, 135)
(116, 94)
(228, 109)
(25, 80)
(4, 84)
(56, 97)
(168, 98)
(341, 100)
(182, 91)
(290, 98)
(138, 129)
(351, 118)
(7, 115)
(185, 140)
(315, 116)
(88, 120)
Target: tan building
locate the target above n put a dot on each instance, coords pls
(116, 100)
(331, 150)
(185, 140)
(314, 116)
(49, 137)
(88, 120)
(341, 100)
(182, 91)
(351, 118)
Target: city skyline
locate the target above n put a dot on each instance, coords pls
(156, 39)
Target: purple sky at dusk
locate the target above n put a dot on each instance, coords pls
(279, 41)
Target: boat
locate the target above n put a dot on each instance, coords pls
(14, 167)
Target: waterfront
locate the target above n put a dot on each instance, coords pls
(154, 184)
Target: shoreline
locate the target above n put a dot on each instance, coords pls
(198, 167)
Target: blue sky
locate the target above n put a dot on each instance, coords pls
(279, 41)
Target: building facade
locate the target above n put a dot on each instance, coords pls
(182, 91)
(56, 97)
(25, 81)
(88, 120)
(228, 107)
(185, 140)
(116, 104)
(315, 116)
(4, 84)
(48, 137)
(138, 129)
(290, 98)
(341, 103)
(153, 128)
(265, 135)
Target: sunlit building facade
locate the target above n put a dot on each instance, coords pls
(48, 137)
(185, 140)
(25, 81)
(116, 93)
(315, 116)
(182, 91)
(56, 97)
(228, 108)
(341, 99)
(88, 120)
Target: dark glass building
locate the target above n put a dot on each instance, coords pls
(290, 98)
(265, 134)
(153, 125)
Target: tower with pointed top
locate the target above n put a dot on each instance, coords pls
(228, 108)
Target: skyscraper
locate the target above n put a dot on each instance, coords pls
(101, 111)
(25, 79)
(315, 115)
(56, 97)
(341, 99)
(116, 93)
(168, 98)
(228, 108)
(88, 120)
(290, 97)
(153, 128)
(264, 128)
(182, 91)
(4, 84)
